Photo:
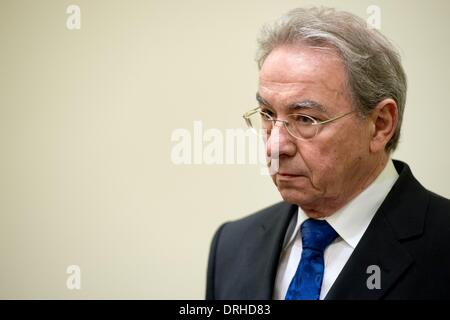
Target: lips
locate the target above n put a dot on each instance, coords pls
(289, 174)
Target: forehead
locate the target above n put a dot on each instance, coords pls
(293, 72)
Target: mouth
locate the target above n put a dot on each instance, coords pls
(285, 175)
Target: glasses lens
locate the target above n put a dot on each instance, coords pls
(302, 126)
(298, 125)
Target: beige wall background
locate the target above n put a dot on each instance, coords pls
(86, 119)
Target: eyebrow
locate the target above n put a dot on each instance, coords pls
(301, 105)
(261, 100)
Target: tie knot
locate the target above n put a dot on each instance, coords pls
(317, 234)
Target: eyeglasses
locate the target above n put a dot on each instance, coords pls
(300, 126)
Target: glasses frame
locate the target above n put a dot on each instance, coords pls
(315, 123)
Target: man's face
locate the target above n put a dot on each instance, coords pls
(328, 169)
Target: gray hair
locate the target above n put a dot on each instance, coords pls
(374, 70)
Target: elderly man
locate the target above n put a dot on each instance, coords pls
(354, 224)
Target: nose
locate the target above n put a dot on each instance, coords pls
(280, 142)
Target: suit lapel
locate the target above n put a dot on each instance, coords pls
(263, 253)
(400, 218)
(377, 248)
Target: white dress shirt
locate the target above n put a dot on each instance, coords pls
(350, 222)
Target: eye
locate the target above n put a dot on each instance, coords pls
(266, 114)
(303, 119)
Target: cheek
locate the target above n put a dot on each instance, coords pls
(327, 161)
(320, 160)
(326, 165)
(342, 157)
(333, 153)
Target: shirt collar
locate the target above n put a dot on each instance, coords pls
(352, 220)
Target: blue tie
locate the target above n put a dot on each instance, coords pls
(307, 281)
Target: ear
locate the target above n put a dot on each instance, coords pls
(384, 122)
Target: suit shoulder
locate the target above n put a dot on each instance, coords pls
(440, 200)
(439, 210)
(238, 230)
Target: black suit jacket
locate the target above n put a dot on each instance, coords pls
(408, 238)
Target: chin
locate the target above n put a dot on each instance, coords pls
(295, 196)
